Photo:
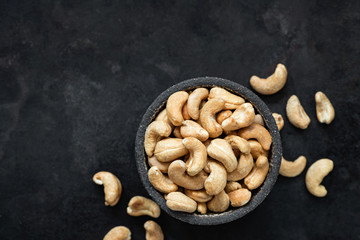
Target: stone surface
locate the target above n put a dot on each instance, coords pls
(77, 76)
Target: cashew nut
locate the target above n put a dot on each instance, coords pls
(325, 111)
(185, 112)
(292, 169)
(258, 173)
(237, 142)
(118, 233)
(225, 95)
(223, 115)
(139, 206)
(242, 117)
(296, 113)
(154, 132)
(257, 132)
(221, 150)
(207, 117)
(161, 182)
(272, 84)
(162, 116)
(163, 167)
(177, 133)
(243, 168)
(315, 174)
(169, 149)
(198, 155)
(259, 119)
(199, 196)
(177, 174)
(174, 107)
(279, 120)
(232, 186)
(256, 149)
(219, 203)
(239, 197)
(216, 181)
(193, 129)
(202, 208)
(112, 187)
(153, 231)
(178, 201)
(194, 101)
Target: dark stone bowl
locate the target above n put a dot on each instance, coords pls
(258, 195)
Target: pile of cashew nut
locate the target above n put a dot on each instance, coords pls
(207, 150)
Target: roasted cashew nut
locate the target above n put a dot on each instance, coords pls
(198, 155)
(216, 181)
(325, 111)
(169, 149)
(296, 113)
(199, 196)
(202, 208)
(193, 129)
(118, 233)
(162, 116)
(256, 149)
(194, 101)
(243, 168)
(258, 173)
(161, 182)
(221, 150)
(154, 132)
(174, 107)
(232, 186)
(219, 203)
(257, 132)
(315, 174)
(279, 120)
(259, 119)
(139, 206)
(163, 167)
(153, 231)
(177, 173)
(207, 117)
(239, 197)
(178, 201)
(220, 93)
(292, 169)
(272, 84)
(242, 117)
(237, 142)
(223, 115)
(185, 112)
(177, 133)
(112, 187)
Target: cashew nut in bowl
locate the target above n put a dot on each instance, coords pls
(242, 117)
(216, 181)
(178, 201)
(154, 132)
(177, 173)
(257, 132)
(139, 206)
(207, 117)
(325, 111)
(194, 101)
(169, 149)
(259, 119)
(243, 168)
(118, 233)
(198, 155)
(174, 107)
(232, 186)
(162, 116)
(256, 149)
(315, 174)
(258, 173)
(193, 129)
(272, 84)
(296, 113)
(219, 203)
(292, 169)
(220, 93)
(237, 142)
(223, 115)
(185, 112)
(202, 208)
(177, 133)
(199, 196)
(163, 167)
(112, 187)
(221, 150)
(279, 120)
(161, 182)
(153, 231)
(239, 197)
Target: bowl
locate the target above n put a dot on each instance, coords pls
(275, 153)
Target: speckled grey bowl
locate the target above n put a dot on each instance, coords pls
(275, 153)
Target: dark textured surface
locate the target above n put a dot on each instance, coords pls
(76, 77)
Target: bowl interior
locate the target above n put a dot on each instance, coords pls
(275, 153)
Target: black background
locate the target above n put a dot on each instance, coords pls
(76, 77)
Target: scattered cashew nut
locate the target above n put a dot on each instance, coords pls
(207, 117)
(221, 150)
(153, 231)
(169, 149)
(325, 111)
(198, 155)
(242, 117)
(216, 181)
(194, 101)
(139, 206)
(219, 203)
(272, 84)
(174, 107)
(279, 120)
(118, 233)
(154, 132)
(296, 113)
(243, 168)
(257, 132)
(315, 174)
(161, 182)
(258, 173)
(112, 187)
(292, 169)
(239, 197)
(193, 129)
(178, 201)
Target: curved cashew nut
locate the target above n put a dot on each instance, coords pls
(216, 181)
(169, 149)
(198, 155)
(207, 117)
(174, 107)
(296, 113)
(185, 112)
(199, 196)
(259, 133)
(242, 117)
(161, 182)
(162, 116)
(325, 111)
(202, 208)
(279, 120)
(163, 167)
(219, 203)
(292, 169)
(177, 174)
(194, 100)
(258, 173)
(243, 168)
(112, 187)
(259, 119)
(178, 201)
(256, 149)
(225, 95)
(315, 174)
(193, 129)
(223, 115)
(237, 142)
(118, 233)
(272, 84)
(232, 186)
(239, 197)
(177, 133)
(154, 132)
(139, 206)
(153, 231)
(221, 150)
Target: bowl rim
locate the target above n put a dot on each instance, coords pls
(275, 158)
